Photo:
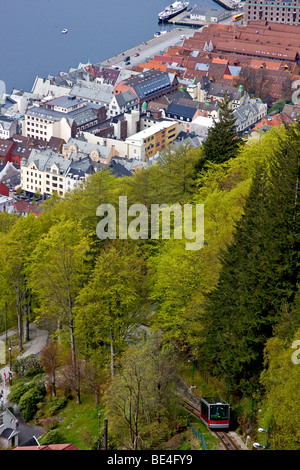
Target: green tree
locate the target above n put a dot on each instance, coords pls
(280, 380)
(110, 306)
(141, 399)
(59, 267)
(259, 270)
(16, 246)
(222, 141)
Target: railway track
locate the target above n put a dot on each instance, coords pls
(227, 442)
(224, 438)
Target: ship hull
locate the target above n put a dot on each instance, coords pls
(164, 18)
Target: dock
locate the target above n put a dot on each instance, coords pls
(183, 19)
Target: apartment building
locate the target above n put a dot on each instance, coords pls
(46, 172)
(61, 117)
(146, 143)
(285, 12)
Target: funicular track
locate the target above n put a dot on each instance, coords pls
(224, 438)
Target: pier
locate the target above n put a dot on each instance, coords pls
(183, 19)
(149, 48)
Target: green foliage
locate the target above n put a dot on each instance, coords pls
(222, 141)
(140, 401)
(259, 271)
(28, 403)
(27, 366)
(17, 390)
(53, 437)
(56, 405)
(281, 380)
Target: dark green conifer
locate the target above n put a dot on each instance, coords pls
(259, 271)
(222, 141)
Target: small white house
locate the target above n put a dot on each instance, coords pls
(9, 434)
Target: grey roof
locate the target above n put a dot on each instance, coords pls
(150, 82)
(125, 98)
(242, 112)
(102, 93)
(86, 147)
(218, 89)
(65, 101)
(80, 116)
(185, 112)
(45, 159)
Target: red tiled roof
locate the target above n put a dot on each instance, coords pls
(49, 447)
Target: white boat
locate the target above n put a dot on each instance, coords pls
(172, 10)
(64, 31)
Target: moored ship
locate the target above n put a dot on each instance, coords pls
(172, 10)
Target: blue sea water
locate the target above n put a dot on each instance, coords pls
(32, 43)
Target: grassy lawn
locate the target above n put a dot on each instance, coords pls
(80, 422)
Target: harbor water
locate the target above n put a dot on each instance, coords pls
(32, 43)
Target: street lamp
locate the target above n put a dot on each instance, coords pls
(257, 445)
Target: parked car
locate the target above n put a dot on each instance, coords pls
(126, 59)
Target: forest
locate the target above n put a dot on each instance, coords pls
(120, 312)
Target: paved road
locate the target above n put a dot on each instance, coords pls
(150, 47)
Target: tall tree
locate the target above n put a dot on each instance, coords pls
(110, 306)
(141, 400)
(259, 270)
(58, 269)
(222, 141)
(16, 246)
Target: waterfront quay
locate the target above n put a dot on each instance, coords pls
(149, 48)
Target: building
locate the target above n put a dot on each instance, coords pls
(6, 204)
(81, 148)
(149, 85)
(6, 147)
(207, 15)
(146, 143)
(8, 127)
(247, 115)
(61, 117)
(123, 103)
(47, 172)
(9, 434)
(98, 93)
(284, 12)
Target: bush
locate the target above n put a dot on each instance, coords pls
(56, 405)
(28, 403)
(27, 366)
(17, 391)
(53, 437)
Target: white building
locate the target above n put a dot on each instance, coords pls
(8, 127)
(251, 112)
(61, 117)
(6, 204)
(46, 172)
(122, 103)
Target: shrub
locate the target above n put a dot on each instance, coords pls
(17, 391)
(28, 403)
(27, 366)
(56, 405)
(53, 437)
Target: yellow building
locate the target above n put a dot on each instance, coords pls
(146, 143)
